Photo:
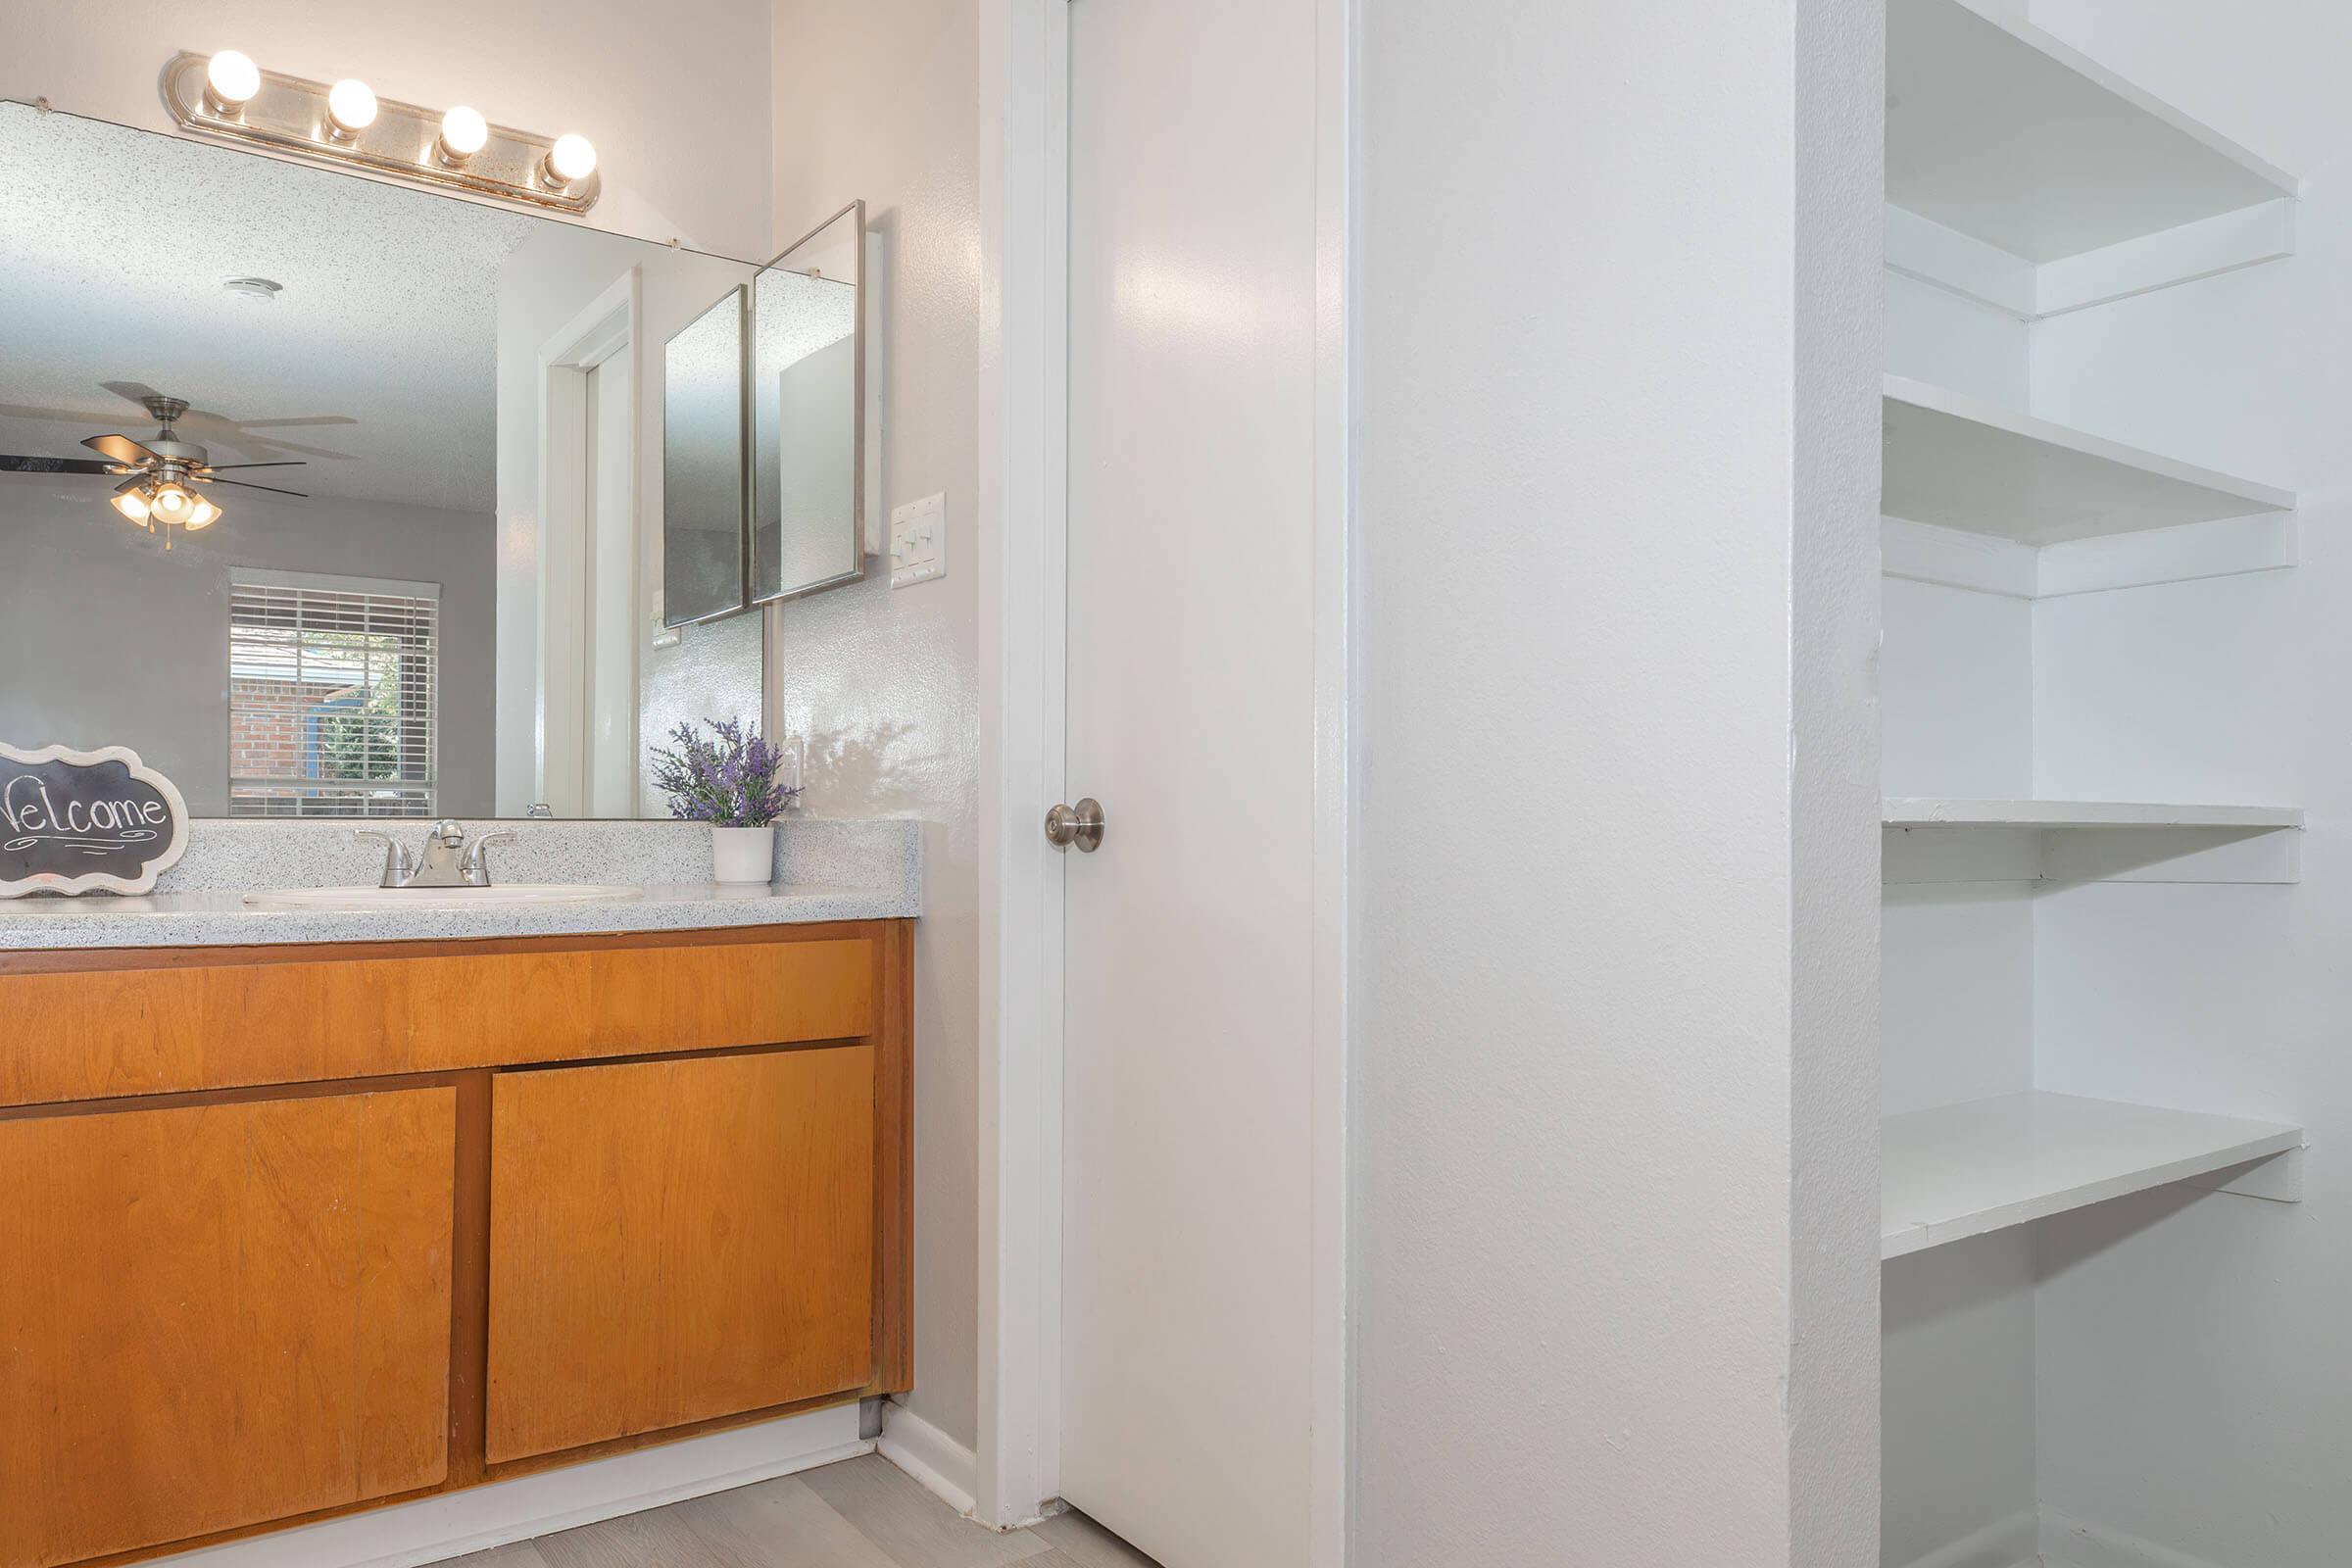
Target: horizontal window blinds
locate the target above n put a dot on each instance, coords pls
(331, 697)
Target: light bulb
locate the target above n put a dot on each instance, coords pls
(204, 517)
(171, 502)
(351, 106)
(230, 80)
(572, 160)
(131, 505)
(464, 132)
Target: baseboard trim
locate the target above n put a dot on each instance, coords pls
(432, 1529)
(946, 1469)
(2011, 1543)
(2070, 1542)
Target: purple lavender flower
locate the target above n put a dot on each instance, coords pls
(730, 781)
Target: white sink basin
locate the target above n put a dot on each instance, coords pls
(505, 893)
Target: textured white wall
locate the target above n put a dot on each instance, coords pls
(674, 97)
(1615, 1280)
(882, 102)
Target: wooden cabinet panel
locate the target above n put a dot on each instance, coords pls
(216, 1018)
(674, 1240)
(216, 1315)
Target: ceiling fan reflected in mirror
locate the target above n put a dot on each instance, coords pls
(164, 479)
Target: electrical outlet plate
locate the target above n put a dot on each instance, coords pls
(919, 541)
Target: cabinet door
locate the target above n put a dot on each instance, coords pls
(672, 1241)
(214, 1316)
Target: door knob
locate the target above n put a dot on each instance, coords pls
(1080, 824)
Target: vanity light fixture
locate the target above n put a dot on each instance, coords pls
(350, 108)
(227, 96)
(464, 132)
(230, 80)
(569, 161)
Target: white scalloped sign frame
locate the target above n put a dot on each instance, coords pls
(109, 824)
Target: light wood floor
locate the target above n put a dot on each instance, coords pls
(861, 1513)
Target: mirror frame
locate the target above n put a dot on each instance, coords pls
(858, 340)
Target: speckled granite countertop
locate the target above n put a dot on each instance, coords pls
(866, 870)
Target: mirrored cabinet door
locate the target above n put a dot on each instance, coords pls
(808, 412)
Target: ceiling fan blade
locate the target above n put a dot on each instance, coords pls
(222, 468)
(120, 448)
(10, 465)
(243, 484)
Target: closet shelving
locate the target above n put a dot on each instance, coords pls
(2065, 609)
(1967, 463)
(2047, 182)
(1919, 812)
(1957, 1171)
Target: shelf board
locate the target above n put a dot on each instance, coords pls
(1963, 1170)
(1938, 812)
(1970, 464)
(1998, 129)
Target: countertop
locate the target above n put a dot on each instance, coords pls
(211, 919)
(825, 870)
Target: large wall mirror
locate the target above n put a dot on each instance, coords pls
(808, 391)
(423, 562)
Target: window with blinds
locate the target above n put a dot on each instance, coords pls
(331, 694)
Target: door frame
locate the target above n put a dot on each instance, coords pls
(1023, 537)
(608, 325)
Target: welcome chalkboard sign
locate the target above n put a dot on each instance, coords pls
(85, 822)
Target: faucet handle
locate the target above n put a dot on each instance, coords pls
(477, 860)
(398, 867)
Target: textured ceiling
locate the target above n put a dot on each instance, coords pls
(377, 364)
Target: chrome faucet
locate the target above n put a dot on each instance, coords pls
(439, 866)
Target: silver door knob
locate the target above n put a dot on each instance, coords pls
(1080, 824)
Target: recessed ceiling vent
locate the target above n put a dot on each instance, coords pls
(263, 289)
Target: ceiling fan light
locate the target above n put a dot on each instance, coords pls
(133, 503)
(171, 502)
(350, 107)
(230, 80)
(204, 517)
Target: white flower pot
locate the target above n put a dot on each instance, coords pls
(742, 853)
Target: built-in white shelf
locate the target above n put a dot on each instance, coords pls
(1963, 1170)
(1939, 812)
(2001, 131)
(1966, 463)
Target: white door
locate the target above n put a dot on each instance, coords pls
(1187, 1108)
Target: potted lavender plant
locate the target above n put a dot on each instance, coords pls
(729, 779)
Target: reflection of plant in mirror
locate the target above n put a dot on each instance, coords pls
(727, 781)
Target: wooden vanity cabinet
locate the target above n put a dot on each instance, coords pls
(672, 1241)
(216, 1315)
(290, 1232)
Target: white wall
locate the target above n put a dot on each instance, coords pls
(675, 97)
(882, 102)
(1615, 1280)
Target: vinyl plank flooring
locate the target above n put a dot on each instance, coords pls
(1086, 1544)
(915, 1528)
(521, 1554)
(779, 1524)
(659, 1538)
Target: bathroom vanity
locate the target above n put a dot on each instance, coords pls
(297, 1226)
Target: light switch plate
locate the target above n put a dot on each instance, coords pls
(919, 541)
